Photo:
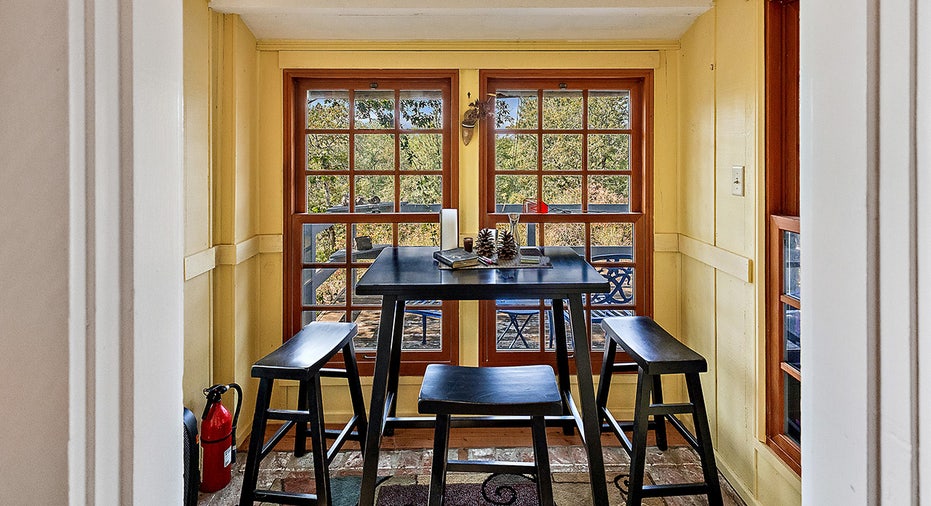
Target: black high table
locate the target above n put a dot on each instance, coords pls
(409, 273)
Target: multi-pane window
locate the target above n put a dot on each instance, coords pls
(783, 306)
(371, 165)
(568, 152)
(785, 316)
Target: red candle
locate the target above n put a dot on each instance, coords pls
(467, 244)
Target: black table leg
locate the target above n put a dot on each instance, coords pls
(590, 418)
(395, 365)
(377, 410)
(562, 358)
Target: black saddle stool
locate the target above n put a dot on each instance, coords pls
(302, 358)
(510, 391)
(656, 352)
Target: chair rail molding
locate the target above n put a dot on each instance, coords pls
(721, 259)
(230, 254)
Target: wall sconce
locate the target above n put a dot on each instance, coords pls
(478, 110)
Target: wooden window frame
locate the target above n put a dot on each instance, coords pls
(296, 83)
(784, 446)
(640, 82)
(782, 204)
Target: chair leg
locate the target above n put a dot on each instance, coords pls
(659, 421)
(438, 472)
(423, 328)
(562, 359)
(604, 379)
(542, 459)
(703, 435)
(256, 442)
(318, 441)
(300, 428)
(355, 391)
(512, 322)
(520, 331)
(639, 443)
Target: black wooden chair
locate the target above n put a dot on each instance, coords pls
(655, 353)
(302, 358)
(492, 391)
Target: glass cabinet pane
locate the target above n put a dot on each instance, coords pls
(793, 412)
(791, 255)
(792, 337)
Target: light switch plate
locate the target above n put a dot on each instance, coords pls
(737, 180)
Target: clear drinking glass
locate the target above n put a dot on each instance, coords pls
(513, 220)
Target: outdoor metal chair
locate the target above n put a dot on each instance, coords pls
(514, 322)
(424, 313)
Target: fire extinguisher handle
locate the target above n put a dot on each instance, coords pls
(238, 390)
(213, 394)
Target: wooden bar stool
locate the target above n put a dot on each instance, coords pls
(302, 358)
(656, 352)
(494, 391)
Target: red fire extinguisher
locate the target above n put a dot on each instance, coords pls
(218, 438)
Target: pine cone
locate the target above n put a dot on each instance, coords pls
(508, 249)
(485, 243)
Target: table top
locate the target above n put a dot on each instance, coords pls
(409, 272)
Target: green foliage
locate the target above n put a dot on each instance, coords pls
(514, 189)
(609, 152)
(612, 234)
(562, 151)
(562, 109)
(324, 192)
(608, 109)
(327, 152)
(421, 152)
(562, 189)
(609, 189)
(516, 109)
(374, 109)
(374, 152)
(516, 152)
(420, 113)
(422, 189)
(327, 109)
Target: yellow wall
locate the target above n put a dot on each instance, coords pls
(721, 120)
(198, 213)
(708, 117)
(221, 246)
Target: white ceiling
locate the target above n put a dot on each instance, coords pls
(498, 20)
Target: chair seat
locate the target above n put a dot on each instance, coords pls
(306, 352)
(510, 390)
(654, 349)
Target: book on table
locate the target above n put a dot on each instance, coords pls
(456, 257)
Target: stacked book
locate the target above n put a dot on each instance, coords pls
(456, 258)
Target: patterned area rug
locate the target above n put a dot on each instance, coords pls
(406, 478)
